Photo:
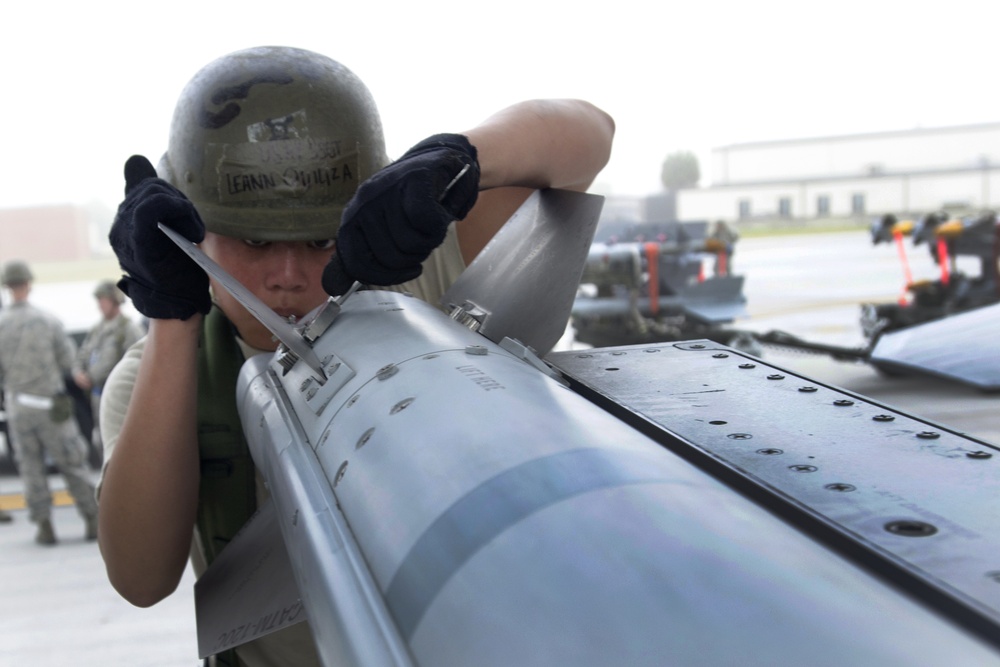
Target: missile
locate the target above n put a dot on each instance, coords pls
(445, 494)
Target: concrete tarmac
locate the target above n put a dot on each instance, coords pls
(59, 608)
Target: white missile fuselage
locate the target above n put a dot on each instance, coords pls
(444, 501)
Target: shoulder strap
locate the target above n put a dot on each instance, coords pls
(227, 496)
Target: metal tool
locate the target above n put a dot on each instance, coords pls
(278, 326)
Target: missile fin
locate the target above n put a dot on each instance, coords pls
(249, 591)
(525, 279)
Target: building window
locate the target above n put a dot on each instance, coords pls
(744, 208)
(823, 205)
(785, 207)
(857, 203)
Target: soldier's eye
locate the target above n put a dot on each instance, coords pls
(255, 244)
(325, 244)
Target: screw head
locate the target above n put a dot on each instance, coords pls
(979, 455)
(883, 418)
(840, 487)
(746, 366)
(928, 435)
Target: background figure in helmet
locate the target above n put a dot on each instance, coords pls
(276, 160)
(35, 357)
(103, 347)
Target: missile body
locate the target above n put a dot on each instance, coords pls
(445, 502)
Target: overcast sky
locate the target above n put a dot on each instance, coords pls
(86, 84)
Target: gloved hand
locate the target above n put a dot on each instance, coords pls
(162, 281)
(401, 214)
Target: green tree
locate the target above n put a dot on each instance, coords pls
(680, 170)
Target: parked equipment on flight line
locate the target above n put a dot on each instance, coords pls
(647, 283)
(444, 493)
(652, 287)
(945, 327)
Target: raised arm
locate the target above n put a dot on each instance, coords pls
(149, 492)
(528, 146)
(477, 178)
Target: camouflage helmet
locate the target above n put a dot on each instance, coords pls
(16, 272)
(270, 143)
(108, 290)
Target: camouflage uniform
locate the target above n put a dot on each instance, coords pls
(104, 347)
(35, 353)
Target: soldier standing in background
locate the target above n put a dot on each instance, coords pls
(35, 356)
(103, 348)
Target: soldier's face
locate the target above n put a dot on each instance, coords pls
(286, 275)
(107, 307)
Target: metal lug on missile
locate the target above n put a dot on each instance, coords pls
(324, 318)
(469, 315)
(525, 353)
(286, 358)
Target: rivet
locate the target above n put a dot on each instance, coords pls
(387, 371)
(745, 366)
(978, 455)
(617, 354)
(770, 451)
(652, 350)
(584, 356)
(697, 346)
(477, 350)
(802, 467)
(929, 435)
(842, 402)
(720, 355)
(808, 390)
(775, 376)
(883, 418)
(739, 436)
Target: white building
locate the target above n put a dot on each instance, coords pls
(859, 176)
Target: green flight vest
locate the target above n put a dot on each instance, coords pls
(227, 496)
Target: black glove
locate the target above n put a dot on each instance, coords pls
(162, 281)
(401, 214)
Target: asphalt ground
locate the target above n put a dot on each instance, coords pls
(59, 608)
